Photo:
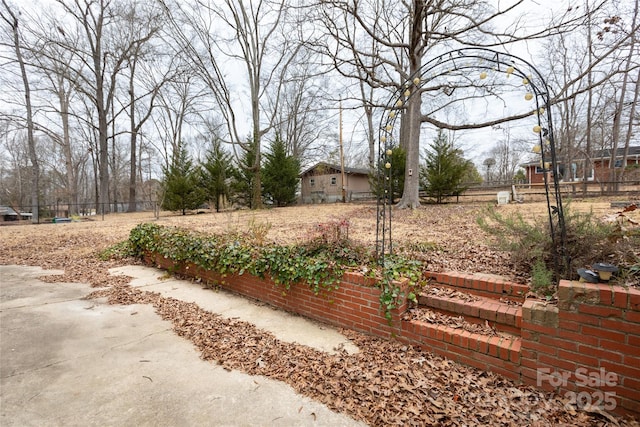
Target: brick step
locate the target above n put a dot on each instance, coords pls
(483, 285)
(501, 316)
(498, 353)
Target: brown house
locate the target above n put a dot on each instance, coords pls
(322, 183)
(598, 170)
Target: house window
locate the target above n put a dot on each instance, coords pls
(539, 170)
(312, 182)
(334, 180)
(618, 163)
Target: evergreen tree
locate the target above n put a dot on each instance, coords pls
(216, 173)
(398, 160)
(182, 190)
(445, 170)
(280, 174)
(243, 177)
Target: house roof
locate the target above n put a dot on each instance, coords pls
(7, 211)
(331, 169)
(599, 154)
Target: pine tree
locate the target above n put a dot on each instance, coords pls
(182, 190)
(445, 170)
(280, 174)
(398, 161)
(243, 177)
(216, 173)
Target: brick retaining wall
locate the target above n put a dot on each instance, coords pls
(594, 330)
(589, 342)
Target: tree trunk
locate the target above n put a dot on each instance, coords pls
(72, 178)
(411, 120)
(617, 119)
(133, 161)
(12, 20)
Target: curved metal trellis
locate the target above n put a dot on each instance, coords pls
(457, 62)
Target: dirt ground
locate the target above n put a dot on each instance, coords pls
(448, 233)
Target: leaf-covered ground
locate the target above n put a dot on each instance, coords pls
(386, 383)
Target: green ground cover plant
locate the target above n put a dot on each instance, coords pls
(318, 263)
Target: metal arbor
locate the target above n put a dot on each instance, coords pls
(457, 62)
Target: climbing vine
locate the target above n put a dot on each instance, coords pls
(319, 264)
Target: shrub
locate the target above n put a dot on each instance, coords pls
(542, 279)
(588, 240)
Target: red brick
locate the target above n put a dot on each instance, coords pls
(470, 361)
(623, 370)
(634, 340)
(577, 337)
(533, 381)
(599, 310)
(530, 363)
(474, 341)
(488, 311)
(606, 295)
(503, 350)
(527, 353)
(632, 316)
(602, 354)
(557, 363)
(627, 406)
(447, 334)
(512, 373)
(625, 349)
(483, 344)
(516, 345)
(548, 330)
(616, 325)
(501, 314)
(529, 335)
(455, 339)
(578, 318)
(629, 393)
(464, 339)
(541, 348)
(633, 360)
(620, 298)
(455, 350)
(632, 383)
(603, 333)
(579, 358)
(491, 360)
(559, 343)
(634, 299)
(494, 343)
(518, 319)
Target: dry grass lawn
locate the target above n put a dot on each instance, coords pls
(448, 234)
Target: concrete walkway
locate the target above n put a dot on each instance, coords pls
(65, 361)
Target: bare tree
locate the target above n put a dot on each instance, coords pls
(142, 67)
(303, 120)
(406, 32)
(250, 37)
(180, 104)
(623, 100)
(10, 17)
(98, 58)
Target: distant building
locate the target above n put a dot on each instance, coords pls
(598, 170)
(322, 184)
(9, 214)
